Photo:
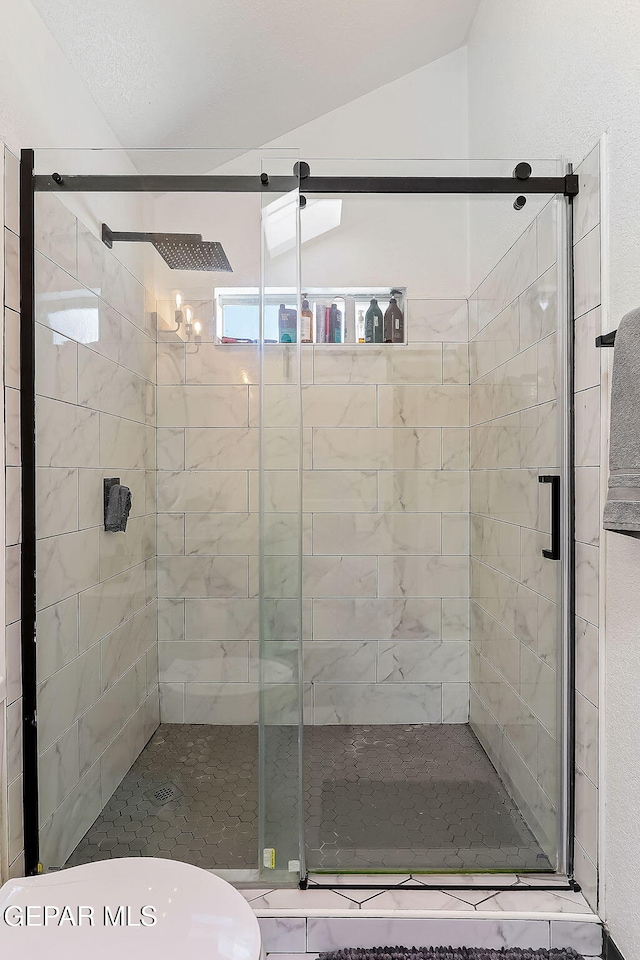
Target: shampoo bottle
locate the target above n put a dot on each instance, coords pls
(286, 324)
(373, 323)
(393, 323)
(306, 318)
(335, 324)
(360, 327)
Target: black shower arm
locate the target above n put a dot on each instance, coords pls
(109, 236)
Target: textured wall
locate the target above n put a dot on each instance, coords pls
(96, 591)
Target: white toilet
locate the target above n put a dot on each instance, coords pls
(134, 907)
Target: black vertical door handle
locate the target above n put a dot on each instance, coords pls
(554, 480)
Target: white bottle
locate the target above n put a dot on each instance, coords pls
(360, 327)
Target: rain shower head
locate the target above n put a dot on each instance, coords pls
(180, 251)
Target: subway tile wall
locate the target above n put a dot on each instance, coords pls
(98, 698)
(385, 451)
(515, 437)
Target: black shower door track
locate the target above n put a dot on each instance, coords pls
(30, 184)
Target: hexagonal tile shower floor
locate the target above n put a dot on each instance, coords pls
(377, 797)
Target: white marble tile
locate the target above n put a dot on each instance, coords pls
(423, 406)
(91, 497)
(511, 387)
(171, 363)
(202, 406)
(127, 744)
(423, 661)
(63, 697)
(336, 405)
(373, 364)
(12, 438)
(587, 660)
(455, 702)
(514, 901)
(370, 449)
(538, 687)
(455, 448)
(11, 348)
(419, 491)
(496, 543)
(118, 551)
(59, 772)
(13, 719)
(546, 235)
(339, 933)
(13, 589)
(57, 633)
(433, 320)
(586, 874)
(455, 618)
(171, 619)
(202, 577)
(507, 495)
(329, 491)
(14, 817)
(585, 938)
(587, 356)
(367, 702)
(586, 271)
(99, 269)
(172, 698)
(404, 898)
(283, 934)
(378, 533)
(197, 492)
(170, 534)
(235, 703)
(538, 309)
(66, 435)
(587, 582)
(586, 206)
(587, 737)
(96, 727)
(586, 814)
(547, 369)
(66, 565)
(587, 504)
(496, 343)
(376, 619)
(224, 363)
(13, 664)
(11, 270)
(302, 900)
(340, 660)
(203, 660)
(423, 576)
(64, 830)
(56, 365)
(237, 533)
(333, 576)
(105, 386)
(106, 605)
(279, 406)
(212, 618)
(126, 644)
(455, 534)
(455, 363)
(125, 443)
(65, 305)
(170, 448)
(536, 572)
(13, 505)
(56, 500)
(56, 231)
(124, 343)
(11, 191)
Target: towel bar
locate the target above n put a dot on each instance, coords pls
(606, 340)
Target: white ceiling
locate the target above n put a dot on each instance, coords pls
(242, 72)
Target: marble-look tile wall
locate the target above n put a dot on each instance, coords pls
(385, 526)
(514, 590)
(96, 592)
(588, 426)
(12, 803)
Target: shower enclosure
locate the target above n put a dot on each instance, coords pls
(336, 633)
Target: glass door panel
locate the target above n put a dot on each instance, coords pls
(278, 408)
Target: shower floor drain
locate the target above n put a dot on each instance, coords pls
(163, 793)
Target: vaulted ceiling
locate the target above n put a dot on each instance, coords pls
(243, 72)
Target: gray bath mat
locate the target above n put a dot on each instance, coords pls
(449, 953)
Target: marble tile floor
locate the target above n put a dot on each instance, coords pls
(394, 797)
